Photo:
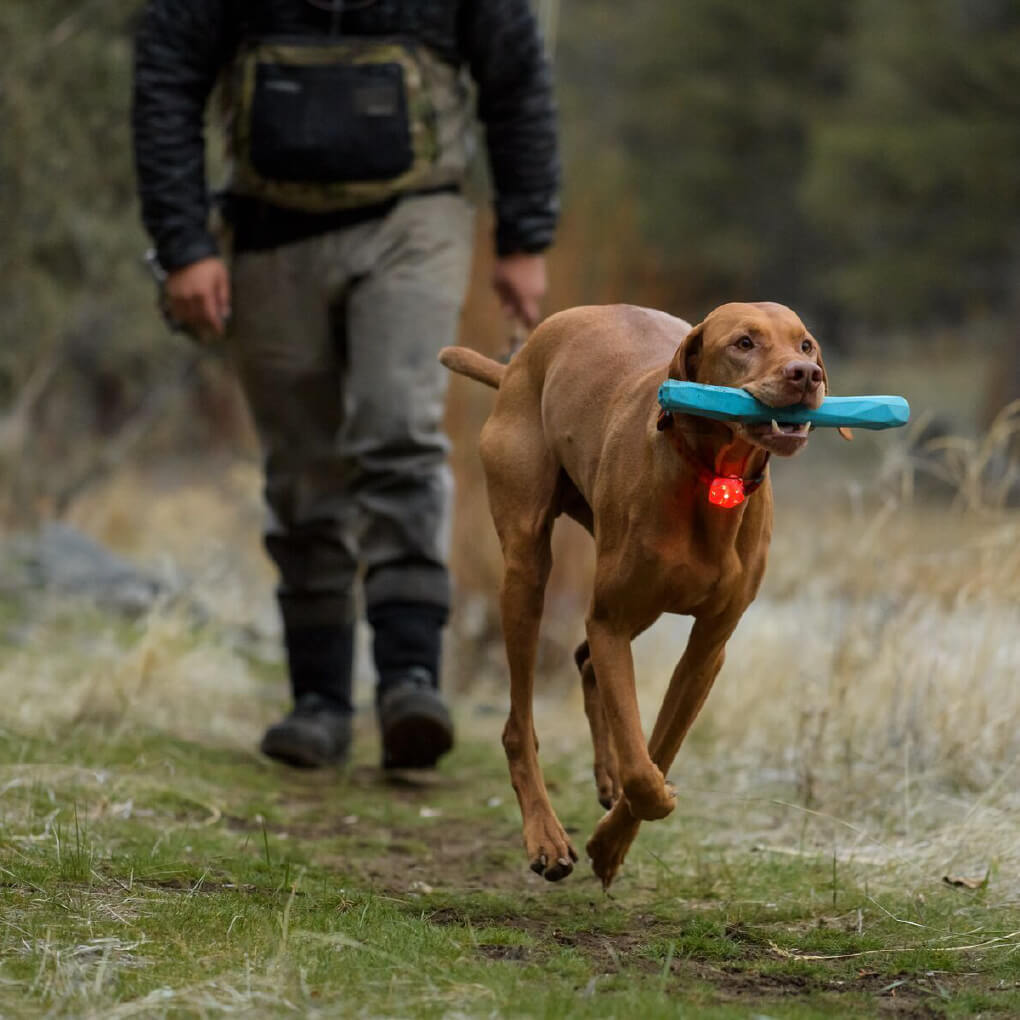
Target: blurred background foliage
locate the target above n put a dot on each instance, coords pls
(855, 159)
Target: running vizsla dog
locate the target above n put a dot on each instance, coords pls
(577, 430)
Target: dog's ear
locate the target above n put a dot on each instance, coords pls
(821, 365)
(685, 362)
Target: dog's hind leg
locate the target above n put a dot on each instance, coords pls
(606, 768)
(522, 482)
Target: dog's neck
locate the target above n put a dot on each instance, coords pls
(709, 450)
(713, 446)
(726, 454)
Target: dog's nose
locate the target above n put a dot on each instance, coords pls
(804, 373)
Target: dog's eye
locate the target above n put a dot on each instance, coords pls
(807, 346)
(745, 343)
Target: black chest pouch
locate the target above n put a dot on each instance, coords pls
(322, 125)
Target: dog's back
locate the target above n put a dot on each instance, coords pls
(585, 369)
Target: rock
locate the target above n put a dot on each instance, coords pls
(64, 560)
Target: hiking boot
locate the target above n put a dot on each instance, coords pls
(415, 722)
(316, 733)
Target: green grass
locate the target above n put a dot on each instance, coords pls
(149, 875)
(145, 874)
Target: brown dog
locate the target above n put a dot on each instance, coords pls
(577, 429)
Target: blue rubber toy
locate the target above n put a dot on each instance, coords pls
(723, 403)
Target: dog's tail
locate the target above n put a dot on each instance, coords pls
(473, 365)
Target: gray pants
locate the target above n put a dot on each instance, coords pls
(335, 339)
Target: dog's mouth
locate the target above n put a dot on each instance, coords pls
(783, 438)
(779, 436)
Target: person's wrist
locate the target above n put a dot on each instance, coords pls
(195, 265)
(173, 257)
(519, 250)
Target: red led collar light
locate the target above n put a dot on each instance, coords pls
(726, 491)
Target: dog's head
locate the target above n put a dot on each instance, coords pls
(766, 350)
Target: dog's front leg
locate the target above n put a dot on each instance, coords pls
(644, 787)
(688, 688)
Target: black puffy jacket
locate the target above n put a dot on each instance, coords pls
(183, 45)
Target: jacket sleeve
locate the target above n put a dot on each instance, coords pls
(180, 47)
(507, 60)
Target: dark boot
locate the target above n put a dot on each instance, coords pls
(416, 726)
(317, 732)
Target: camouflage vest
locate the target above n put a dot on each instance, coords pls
(320, 125)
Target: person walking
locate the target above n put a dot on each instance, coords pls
(350, 132)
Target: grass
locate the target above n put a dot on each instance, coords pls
(240, 889)
(144, 874)
(860, 747)
(152, 876)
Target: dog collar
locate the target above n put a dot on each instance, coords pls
(726, 491)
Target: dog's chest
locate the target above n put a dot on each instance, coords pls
(691, 557)
(688, 576)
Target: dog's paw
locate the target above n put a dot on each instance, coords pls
(649, 797)
(610, 842)
(550, 853)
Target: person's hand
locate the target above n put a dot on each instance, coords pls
(198, 296)
(520, 283)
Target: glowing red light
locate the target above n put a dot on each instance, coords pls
(726, 492)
